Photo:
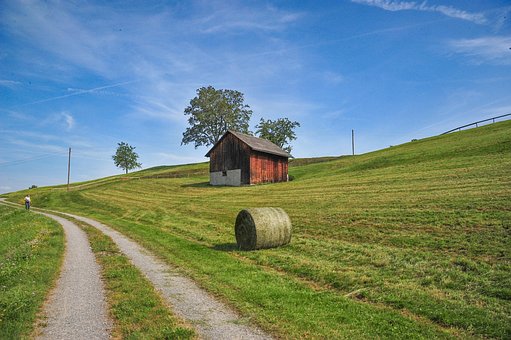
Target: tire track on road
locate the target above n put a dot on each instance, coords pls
(77, 307)
(211, 318)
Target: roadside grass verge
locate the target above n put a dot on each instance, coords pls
(416, 235)
(31, 251)
(137, 309)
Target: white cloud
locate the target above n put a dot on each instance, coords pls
(68, 119)
(388, 5)
(77, 92)
(18, 115)
(9, 83)
(157, 110)
(30, 135)
(495, 50)
(63, 119)
(46, 148)
(452, 12)
(155, 48)
(449, 11)
(232, 18)
(502, 16)
(54, 28)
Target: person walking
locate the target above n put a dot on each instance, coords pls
(27, 202)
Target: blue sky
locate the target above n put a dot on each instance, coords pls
(87, 75)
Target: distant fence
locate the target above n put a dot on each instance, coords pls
(477, 123)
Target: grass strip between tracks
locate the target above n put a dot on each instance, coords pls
(137, 309)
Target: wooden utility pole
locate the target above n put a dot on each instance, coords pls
(68, 168)
(353, 142)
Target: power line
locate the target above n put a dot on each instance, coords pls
(30, 159)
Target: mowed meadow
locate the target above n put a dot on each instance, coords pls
(410, 241)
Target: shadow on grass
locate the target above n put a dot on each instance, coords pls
(197, 185)
(226, 247)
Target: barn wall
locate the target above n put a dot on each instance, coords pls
(229, 177)
(230, 154)
(267, 168)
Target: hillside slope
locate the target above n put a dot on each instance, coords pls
(413, 240)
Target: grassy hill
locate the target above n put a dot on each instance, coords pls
(409, 241)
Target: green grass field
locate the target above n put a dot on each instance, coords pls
(409, 241)
(31, 248)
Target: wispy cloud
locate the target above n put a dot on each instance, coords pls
(26, 135)
(390, 5)
(502, 16)
(494, 50)
(54, 28)
(21, 116)
(76, 92)
(233, 19)
(9, 83)
(152, 47)
(158, 110)
(68, 119)
(46, 148)
(58, 121)
(64, 120)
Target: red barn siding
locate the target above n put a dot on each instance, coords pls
(267, 168)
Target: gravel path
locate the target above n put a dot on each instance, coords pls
(211, 319)
(76, 308)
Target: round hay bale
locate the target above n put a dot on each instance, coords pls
(258, 228)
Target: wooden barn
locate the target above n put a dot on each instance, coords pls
(240, 159)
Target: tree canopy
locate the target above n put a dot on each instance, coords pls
(212, 112)
(279, 132)
(125, 157)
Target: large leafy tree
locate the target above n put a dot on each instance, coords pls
(279, 132)
(212, 112)
(125, 157)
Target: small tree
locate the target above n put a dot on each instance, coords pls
(212, 112)
(279, 132)
(125, 157)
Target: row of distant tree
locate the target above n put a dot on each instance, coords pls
(210, 114)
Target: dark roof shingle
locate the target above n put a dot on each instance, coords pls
(255, 143)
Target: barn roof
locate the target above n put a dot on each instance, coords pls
(255, 143)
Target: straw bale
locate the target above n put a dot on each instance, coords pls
(258, 228)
